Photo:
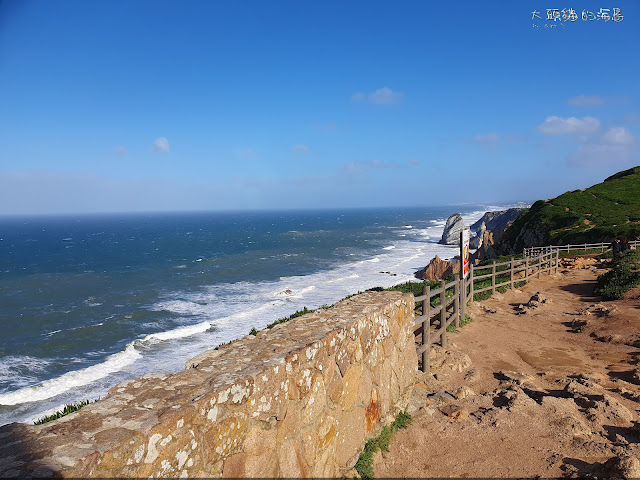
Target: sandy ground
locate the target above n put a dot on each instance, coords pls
(550, 392)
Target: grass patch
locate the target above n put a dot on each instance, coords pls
(253, 331)
(364, 465)
(69, 408)
(623, 276)
(574, 253)
(298, 313)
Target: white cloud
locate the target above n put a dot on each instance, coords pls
(487, 139)
(567, 126)
(618, 136)
(161, 145)
(300, 149)
(121, 151)
(385, 96)
(586, 100)
(382, 96)
(614, 147)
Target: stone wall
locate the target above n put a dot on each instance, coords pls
(298, 400)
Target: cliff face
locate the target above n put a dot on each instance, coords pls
(498, 220)
(596, 214)
(298, 400)
(452, 229)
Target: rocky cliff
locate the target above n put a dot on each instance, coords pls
(452, 229)
(499, 219)
(298, 400)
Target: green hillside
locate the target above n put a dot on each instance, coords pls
(596, 214)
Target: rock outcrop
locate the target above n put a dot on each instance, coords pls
(436, 269)
(298, 400)
(486, 249)
(476, 240)
(452, 229)
(498, 220)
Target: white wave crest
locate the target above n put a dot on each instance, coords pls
(76, 378)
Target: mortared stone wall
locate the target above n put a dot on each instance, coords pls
(298, 400)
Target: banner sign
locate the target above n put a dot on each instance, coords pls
(465, 236)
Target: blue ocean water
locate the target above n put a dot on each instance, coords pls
(87, 302)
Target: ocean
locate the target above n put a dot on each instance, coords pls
(87, 302)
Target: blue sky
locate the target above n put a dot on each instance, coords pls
(216, 105)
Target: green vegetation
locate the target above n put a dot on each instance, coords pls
(364, 466)
(69, 408)
(575, 253)
(253, 331)
(596, 214)
(623, 276)
(298, 313)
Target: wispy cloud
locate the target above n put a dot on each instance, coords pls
(632, 118)
(486, 139)
(248, 153)
(385, 96)
(300, 149)
(569, 126)
(414, 161)
(516, 139)
(586, 100)
(161, 145)
(382, 96)
(328, 126)
(121, 151)
(613, 147)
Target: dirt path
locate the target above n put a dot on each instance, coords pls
(550, 392)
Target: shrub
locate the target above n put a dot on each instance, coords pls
(364, 465)
(623, 276)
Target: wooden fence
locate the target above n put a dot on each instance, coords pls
(446, 305)
(534, 251)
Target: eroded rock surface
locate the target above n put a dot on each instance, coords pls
(295, 401)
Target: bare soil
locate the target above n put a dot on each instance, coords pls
(548, 389)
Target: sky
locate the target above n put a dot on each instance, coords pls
(126, 106)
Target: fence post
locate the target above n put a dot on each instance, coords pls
(539, 265)
(493, 278)
(557, 260)
(463, 297)
(512, 273)
(456, 301)
(426, 328)
(526, 269)
(443, 313)
(471, 282)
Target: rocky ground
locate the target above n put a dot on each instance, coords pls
(545, 386)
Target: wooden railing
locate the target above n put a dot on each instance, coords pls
(431, 325)
(533, 251)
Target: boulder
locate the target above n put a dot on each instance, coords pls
(452, 229)
(436, 269)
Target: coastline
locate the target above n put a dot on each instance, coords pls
(415, 250)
